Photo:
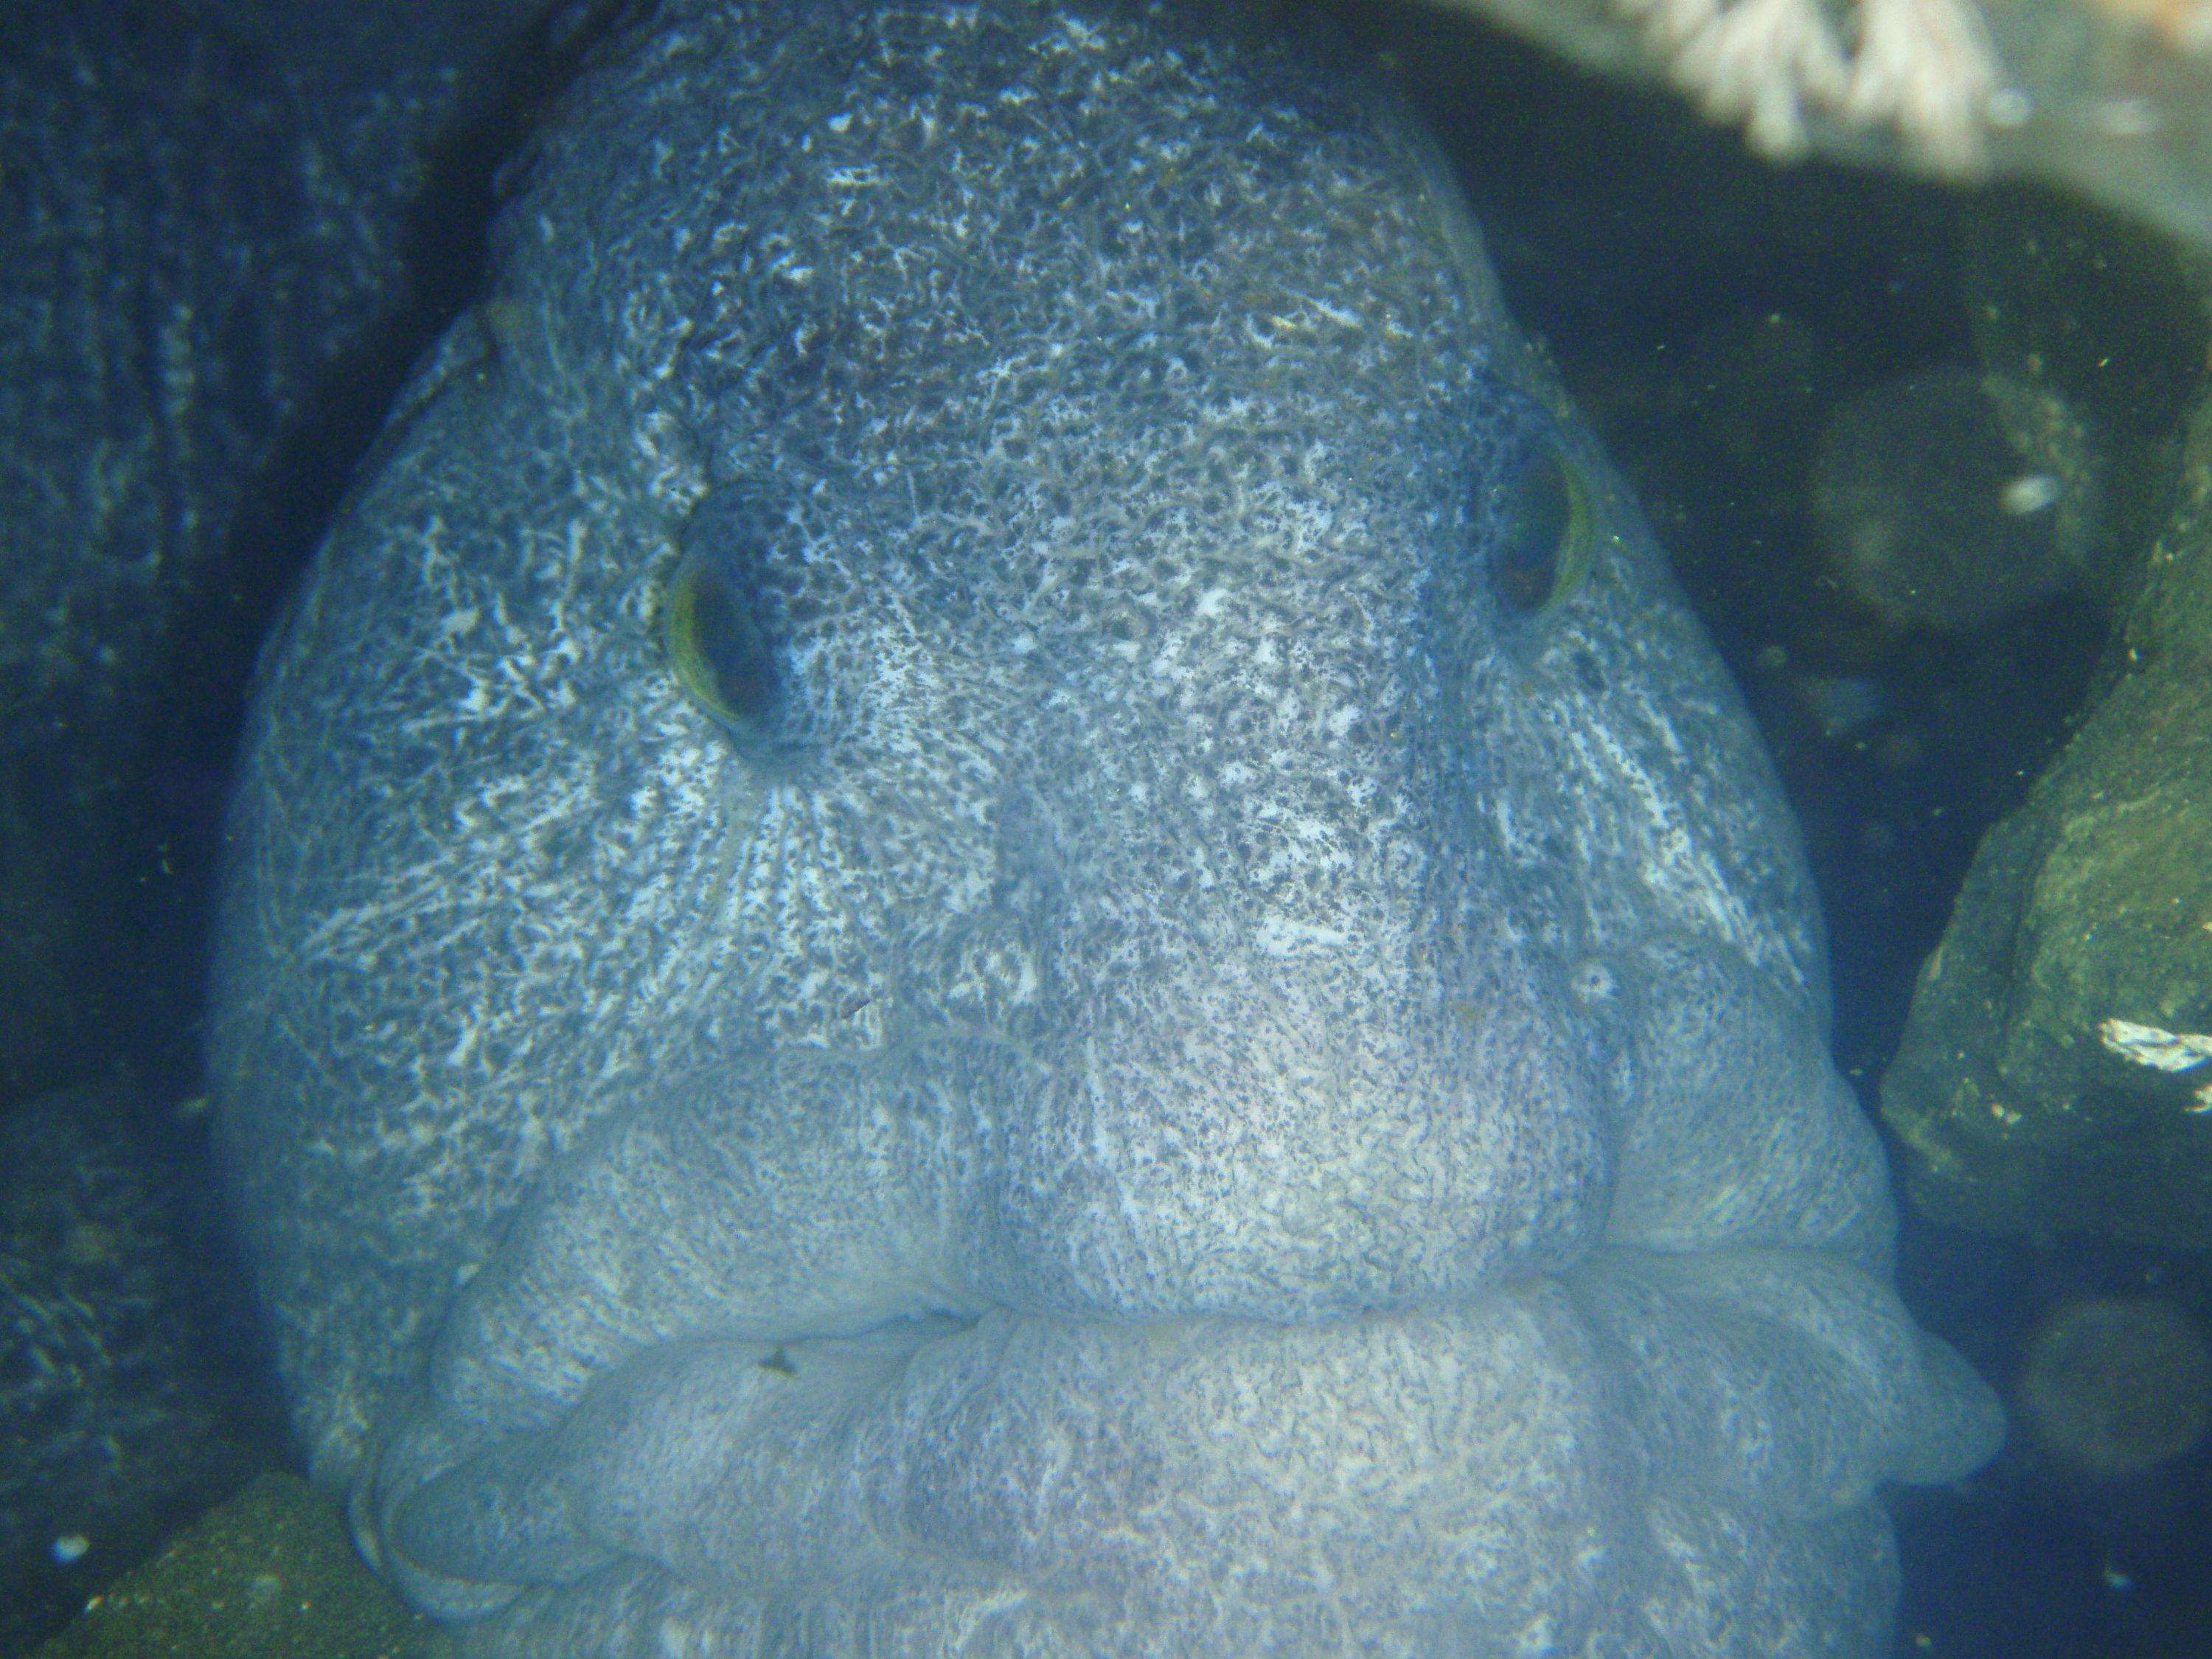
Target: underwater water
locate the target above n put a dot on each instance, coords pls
(1713, 319)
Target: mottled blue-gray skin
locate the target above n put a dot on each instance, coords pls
(1201, 1082)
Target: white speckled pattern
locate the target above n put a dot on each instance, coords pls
(1206, 1089)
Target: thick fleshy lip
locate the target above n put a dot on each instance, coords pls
(1010, 1452)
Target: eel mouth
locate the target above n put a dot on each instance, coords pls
(1031, 1457)
(1208, 1483)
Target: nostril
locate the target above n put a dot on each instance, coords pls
(1592, 982)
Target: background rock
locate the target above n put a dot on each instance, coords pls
(127, 1394)
(1934, 514)
(2114, 1385)
(268, 1575)
(2092, 902)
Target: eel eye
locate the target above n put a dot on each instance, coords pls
(1541, 549)
(716, 647)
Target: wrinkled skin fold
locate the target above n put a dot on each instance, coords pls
(1196, 1070)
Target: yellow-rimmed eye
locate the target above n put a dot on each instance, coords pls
(1541, 549)
(716, 647)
